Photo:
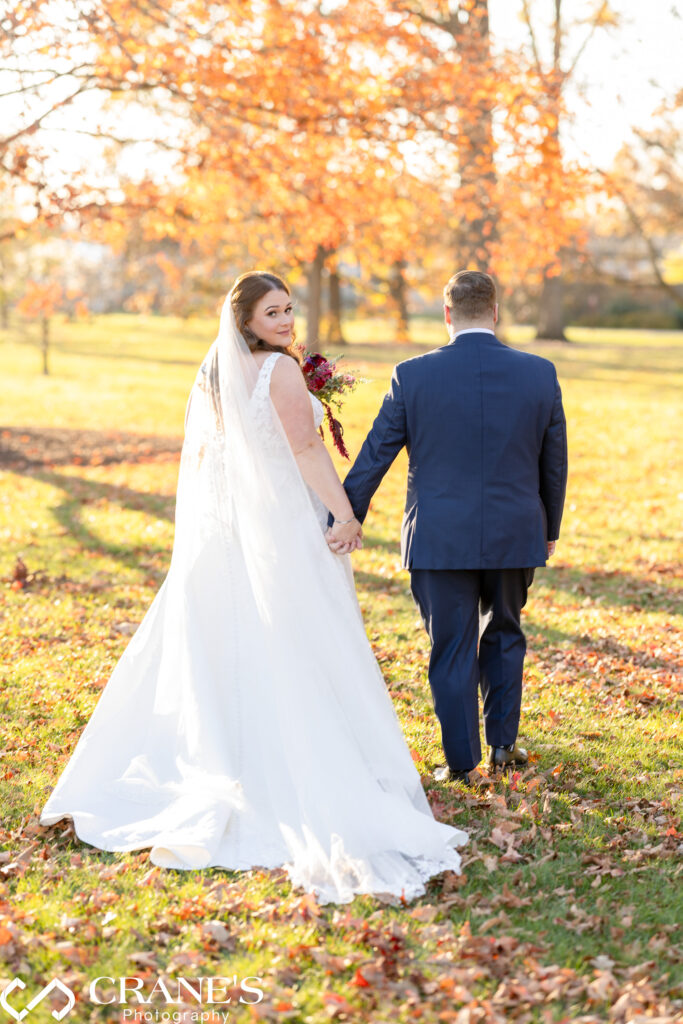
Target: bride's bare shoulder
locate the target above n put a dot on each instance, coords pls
(287, 369)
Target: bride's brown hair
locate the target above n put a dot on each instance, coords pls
(246, 292)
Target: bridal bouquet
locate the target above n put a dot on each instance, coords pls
(328, 384)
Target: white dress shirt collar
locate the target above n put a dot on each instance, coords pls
(474, 330)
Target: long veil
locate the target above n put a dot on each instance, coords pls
(247, 722)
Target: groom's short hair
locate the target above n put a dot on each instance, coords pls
(470, 295)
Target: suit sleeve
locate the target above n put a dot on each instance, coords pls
(553, 466)
(386, 438)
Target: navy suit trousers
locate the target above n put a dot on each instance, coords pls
(452, 603)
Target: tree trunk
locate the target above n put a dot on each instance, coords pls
(4, 299)
(551, 310)
(314, 299)
(335, 335)
(468, 25)
(45, 343)
(476, 146)
(398, 291)
(551, 322)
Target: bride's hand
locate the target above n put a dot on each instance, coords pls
(345, 549)
(345, 537)
(338, 548)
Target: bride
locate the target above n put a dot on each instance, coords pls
(247, 723)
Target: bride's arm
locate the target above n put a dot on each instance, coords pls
(293, 405)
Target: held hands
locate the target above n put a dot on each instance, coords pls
(345, 537)
(551, 548)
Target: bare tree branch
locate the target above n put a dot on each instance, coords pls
(557, 35)
(532, 37)
(610, 277)
(161, 143)
(452, 25)
(591, 32)
(28, 129)
(652, 252)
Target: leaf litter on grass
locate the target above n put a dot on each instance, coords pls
(569, 903)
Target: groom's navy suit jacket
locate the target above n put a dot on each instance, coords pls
(486, 438)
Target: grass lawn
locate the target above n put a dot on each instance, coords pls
(571, 893)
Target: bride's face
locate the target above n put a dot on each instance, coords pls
(273, 318)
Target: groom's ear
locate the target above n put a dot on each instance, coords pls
(447, 314)
(495, 313)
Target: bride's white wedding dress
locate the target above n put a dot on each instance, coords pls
(247, 723)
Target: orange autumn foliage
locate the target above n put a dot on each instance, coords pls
(41, 300)
(289, 127)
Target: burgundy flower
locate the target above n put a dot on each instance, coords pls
(337, 432)
(324, 380)
(317, 371)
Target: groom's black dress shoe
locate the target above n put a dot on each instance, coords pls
(503, 757)
(446, 774)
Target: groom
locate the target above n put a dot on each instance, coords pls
(486, 438)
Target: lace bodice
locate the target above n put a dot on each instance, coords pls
(271, 433)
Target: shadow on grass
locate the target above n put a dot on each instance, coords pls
(376, 541)
(24, 447)
(36, 453)
(618, 588)
(78, 492)
(618, 658)
(598, 355)
(377, 584)
(613, 767)
(128, 356)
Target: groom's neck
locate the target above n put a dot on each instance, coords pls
(471, 325)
